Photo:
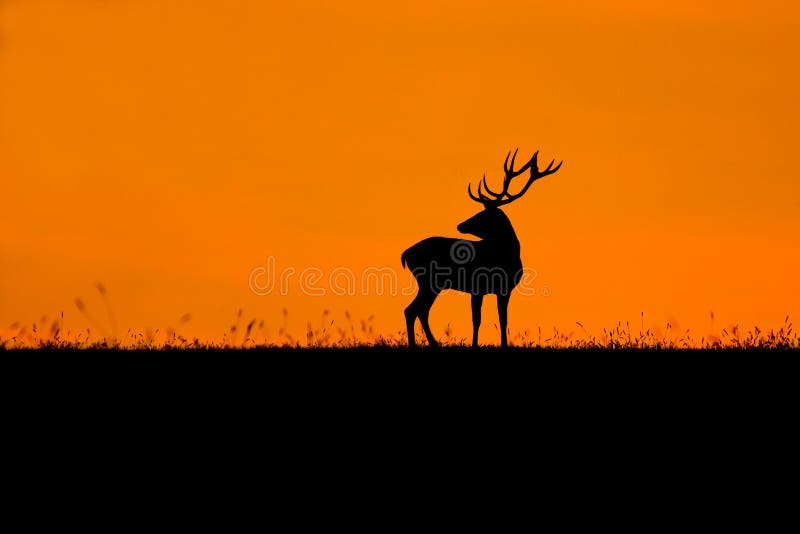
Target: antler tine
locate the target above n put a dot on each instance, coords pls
(510, 172)
(486, 186)
(483, 199)
(535, 175)
(511, 198)
(504, 197)
(473, 197)
(505, 163)
(548, 171)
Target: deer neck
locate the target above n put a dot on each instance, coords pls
(504, 242)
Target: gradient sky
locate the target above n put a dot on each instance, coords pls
(167, 149)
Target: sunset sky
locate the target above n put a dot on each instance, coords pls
(169, 148)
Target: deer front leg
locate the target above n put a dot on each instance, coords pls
(502, 312)
(477, 302)
(411, 318)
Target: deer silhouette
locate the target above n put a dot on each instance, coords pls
(489, 266)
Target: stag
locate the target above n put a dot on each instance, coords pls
(489, 266)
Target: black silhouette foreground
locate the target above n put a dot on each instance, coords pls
(489, 266)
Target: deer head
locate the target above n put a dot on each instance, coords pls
(492, 222)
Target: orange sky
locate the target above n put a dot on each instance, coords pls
(169, 148)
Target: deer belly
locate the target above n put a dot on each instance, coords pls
(483, 280)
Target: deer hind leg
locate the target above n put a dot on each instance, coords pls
(411, 317)
(420, 307)
(502, 312)
(423, 318)
(477, 302)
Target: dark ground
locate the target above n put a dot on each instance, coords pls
(576, 400)
(573, 402)
(529, 373)
(580, 415)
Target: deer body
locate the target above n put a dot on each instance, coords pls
(489, 266)
(470, 275)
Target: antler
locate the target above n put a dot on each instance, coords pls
(504, 197)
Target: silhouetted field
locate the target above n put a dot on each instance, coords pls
(348, 336)
(324, 341)
(344, 385)
(545, 393)
(454, 352)
(547, 381)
